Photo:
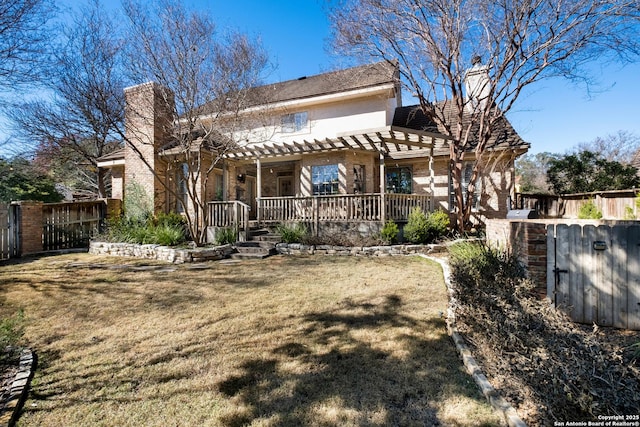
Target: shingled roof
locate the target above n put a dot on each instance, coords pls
(412, 117)
(355, 78)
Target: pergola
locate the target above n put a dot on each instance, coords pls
(390, 142)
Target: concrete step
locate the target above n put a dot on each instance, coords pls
(254, 249)
(270, 237)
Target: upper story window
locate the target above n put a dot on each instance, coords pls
(295, 122)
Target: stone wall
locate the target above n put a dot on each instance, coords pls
(160, 253)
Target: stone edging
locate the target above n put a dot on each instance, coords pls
(491, 394)
(18, 390)
(392, 250)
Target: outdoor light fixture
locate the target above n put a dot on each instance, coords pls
(241, 178)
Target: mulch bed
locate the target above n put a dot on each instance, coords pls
(549, 368)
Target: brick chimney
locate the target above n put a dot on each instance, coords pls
(148, 120)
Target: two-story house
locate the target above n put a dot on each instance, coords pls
(339, 148)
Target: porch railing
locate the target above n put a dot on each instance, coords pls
(399, 206)
(231, 214)
(344, 207)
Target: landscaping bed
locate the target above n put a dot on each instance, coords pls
(549, 368)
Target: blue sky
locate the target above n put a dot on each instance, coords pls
(553, 115)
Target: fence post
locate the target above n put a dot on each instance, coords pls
(31, 227)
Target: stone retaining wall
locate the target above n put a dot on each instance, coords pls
(178, 256)
(161, 253)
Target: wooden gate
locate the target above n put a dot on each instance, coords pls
(8, 230)
(593, 273)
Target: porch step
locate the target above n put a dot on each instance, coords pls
(254, 249)
(264, 235)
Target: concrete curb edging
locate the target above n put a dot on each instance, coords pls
(491, 394)
(19, 388)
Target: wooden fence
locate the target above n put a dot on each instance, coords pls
(71, 225)
(8, 231)
(620, 204)
(593, 273)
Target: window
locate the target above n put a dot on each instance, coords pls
(295, 122)
(182, 175)
(324, 179)
(399, 180)
(467, 168)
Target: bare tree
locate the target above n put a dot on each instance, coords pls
(519, 42)
(206, 77)
(622, 147)
(83, 120)
(23, 39)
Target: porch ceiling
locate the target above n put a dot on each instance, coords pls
(390, 141)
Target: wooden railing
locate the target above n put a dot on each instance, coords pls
(231, 214)
(344, 207)
(399, 206)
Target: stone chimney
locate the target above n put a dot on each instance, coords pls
(148, 120)
(477, 84)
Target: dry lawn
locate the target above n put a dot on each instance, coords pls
(318, 341)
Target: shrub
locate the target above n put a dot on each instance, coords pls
(438, 223)
(417, 228)
(628, 213)
(137, 203)
(474, 263)
(423, 228)
(292, 233)
(165, 229)
(389, 232)
(226, 236)
(589, 210)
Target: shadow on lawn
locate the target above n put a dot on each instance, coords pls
(347, 380)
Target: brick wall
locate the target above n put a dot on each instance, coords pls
(31, 221)
(527, 240)
(147, 118)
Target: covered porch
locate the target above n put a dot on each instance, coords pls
(364, 193)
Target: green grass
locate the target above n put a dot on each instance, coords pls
(293, 341)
